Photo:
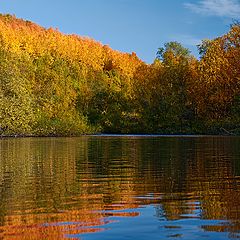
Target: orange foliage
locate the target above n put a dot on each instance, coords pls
(18, 35)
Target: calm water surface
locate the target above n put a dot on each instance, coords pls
(115, 187)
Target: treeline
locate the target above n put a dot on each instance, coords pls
(56, 84)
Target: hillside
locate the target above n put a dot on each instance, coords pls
(48, 79)
(57, 84)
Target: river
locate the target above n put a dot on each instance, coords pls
(120, 187)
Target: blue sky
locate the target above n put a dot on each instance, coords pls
(139, 26)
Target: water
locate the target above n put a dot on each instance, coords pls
(116, 187)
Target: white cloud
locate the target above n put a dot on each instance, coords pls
(222, 8)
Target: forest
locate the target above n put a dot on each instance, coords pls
(53, 84)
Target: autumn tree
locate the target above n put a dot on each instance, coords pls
(176, 81)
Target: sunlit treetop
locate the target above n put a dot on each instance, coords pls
(18, 35)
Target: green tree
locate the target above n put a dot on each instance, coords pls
(175, 48)
(17, 115)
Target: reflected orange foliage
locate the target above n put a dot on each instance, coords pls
(69, 185)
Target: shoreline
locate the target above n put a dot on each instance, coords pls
(121, 135)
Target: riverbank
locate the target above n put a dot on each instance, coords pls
(222, 132)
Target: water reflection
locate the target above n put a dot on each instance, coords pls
(55, 188)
